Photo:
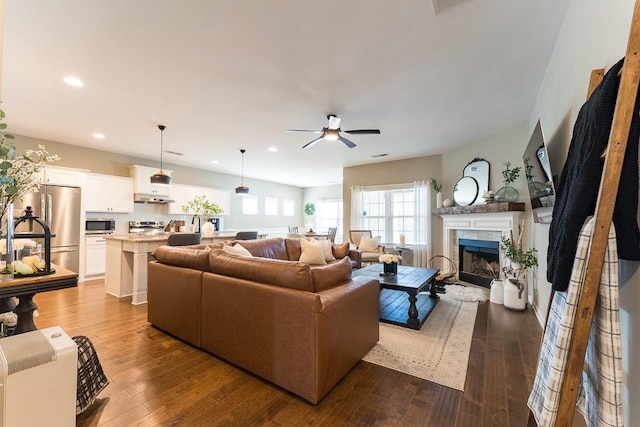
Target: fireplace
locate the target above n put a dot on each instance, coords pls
(477, 260)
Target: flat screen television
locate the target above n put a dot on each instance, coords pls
(539, 176)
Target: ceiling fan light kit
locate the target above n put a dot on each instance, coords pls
(333, 132)
(161, 178)
(242, 190)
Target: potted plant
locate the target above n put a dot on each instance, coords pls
(515, 295)
(309, 210)
(438, 189)
(199, 206)
(507, 193)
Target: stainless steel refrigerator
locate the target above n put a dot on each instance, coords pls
(59, 207)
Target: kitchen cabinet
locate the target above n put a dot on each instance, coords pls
(95, 255)
(181, 194)
(108, 193)
(142, 181)
(62, 176)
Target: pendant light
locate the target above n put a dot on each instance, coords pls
(242, 190)
(161, 178)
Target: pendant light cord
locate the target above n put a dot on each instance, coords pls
(242, 151)
(162, 128)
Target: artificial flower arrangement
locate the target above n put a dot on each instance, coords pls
(18, 177)
(24, 265)
(389, 258)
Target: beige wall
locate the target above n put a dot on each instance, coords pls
(117, 164)
(393, 172)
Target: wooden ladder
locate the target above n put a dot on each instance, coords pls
(623, 113)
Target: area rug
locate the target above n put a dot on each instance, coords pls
(438, 352)
(467, 293)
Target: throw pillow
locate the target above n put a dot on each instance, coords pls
(236, 249)
(312, 252)
(326, 248)
(369, 245)
(341, 251)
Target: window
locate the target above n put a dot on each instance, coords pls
(329, 214)
(389, 213)
(250, 205)
(271, 206)
(288, 207)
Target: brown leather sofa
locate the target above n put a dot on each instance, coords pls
(298, 326)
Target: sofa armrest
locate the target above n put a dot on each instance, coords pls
(356, 255)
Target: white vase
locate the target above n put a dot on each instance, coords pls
(207, 229)
(439, 199)
(497, 292)
(515, 295)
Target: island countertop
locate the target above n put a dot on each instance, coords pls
(163, 237)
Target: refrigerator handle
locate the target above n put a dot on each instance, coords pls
(49, 209)
(42, 208)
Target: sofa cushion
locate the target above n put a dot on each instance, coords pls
(332, 274)
(237, 249)
(273, 248)
(340, 251)
(289, 274)
(183, 256)
(294, 249)
(312, 252)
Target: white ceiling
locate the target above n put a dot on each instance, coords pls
(225, 75)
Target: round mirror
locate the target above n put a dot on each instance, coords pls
(465, 191)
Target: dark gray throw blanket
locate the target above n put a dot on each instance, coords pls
(578, 185)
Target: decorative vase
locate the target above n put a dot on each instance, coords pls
(507, 194)
(390, 268)
(7, 255)
(439, 199)
(497, 292)
(207, 229)
(515, 295)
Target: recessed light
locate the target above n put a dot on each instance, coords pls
(73, 81)
(273, 149)
(215, 162)
(98, 135)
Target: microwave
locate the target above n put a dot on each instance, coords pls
(100, 226)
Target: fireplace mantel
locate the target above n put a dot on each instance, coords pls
(486, 208)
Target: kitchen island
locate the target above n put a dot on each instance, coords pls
(127, 257)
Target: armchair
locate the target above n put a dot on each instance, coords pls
(369, 247)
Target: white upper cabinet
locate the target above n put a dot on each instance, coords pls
(108, 193)
(142, 181)
(62, 176)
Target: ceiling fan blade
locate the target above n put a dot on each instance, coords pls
(346, 142)
(362, 132)
(334, 121)
(309, 144)
(303, 130)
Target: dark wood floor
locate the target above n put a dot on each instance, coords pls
(159, 381)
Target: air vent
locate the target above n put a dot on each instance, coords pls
(380, 155)
(173, 152)
(441, 5)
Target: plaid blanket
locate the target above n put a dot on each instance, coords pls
(600, 394)
(91, 378)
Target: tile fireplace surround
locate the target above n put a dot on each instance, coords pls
(478, 222)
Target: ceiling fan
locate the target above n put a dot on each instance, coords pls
(334, 133)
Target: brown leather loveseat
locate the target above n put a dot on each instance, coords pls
(299, 326)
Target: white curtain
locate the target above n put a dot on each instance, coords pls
(357, 194)
(422, 223)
